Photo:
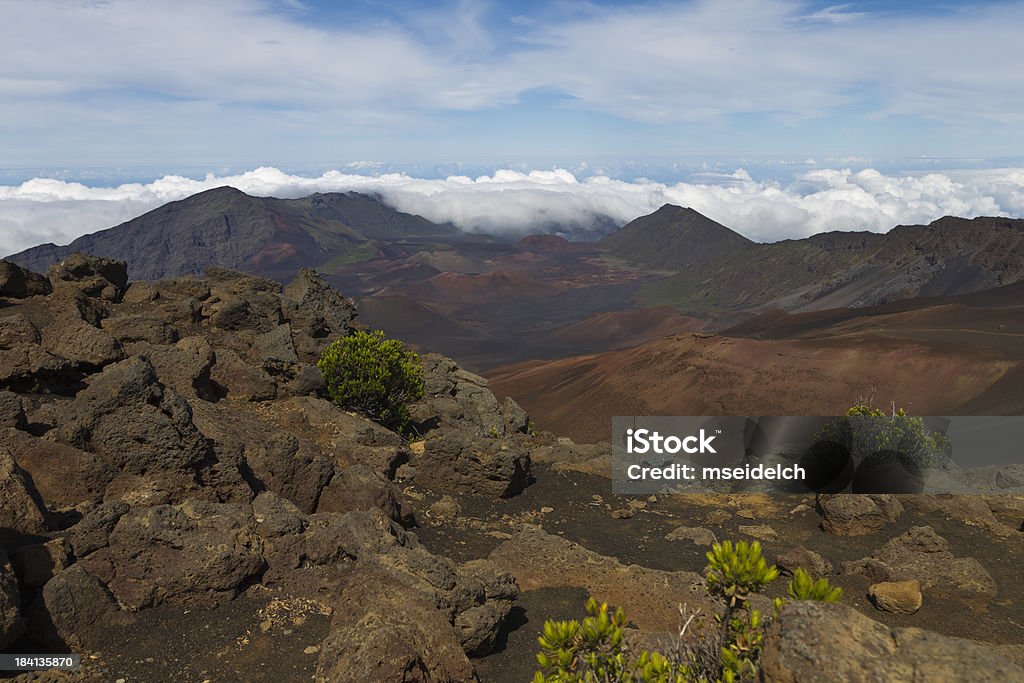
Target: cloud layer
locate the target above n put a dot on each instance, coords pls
(47, 210)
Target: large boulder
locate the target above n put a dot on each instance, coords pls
(63, 475)
(360, 487)
(24, 364)
(858, 514)
(134, 422)
(815, 641)
(12, 411)
(86, 346)
(18, 283)
(194, 553)
(460, 462)
(11, 623)
(457, 397)
(20, 510)
(73, 608)
(94, 276)
(382, 633)
(273, 459)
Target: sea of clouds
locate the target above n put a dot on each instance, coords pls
(48, 210)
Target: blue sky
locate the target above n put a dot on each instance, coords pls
(87, 87)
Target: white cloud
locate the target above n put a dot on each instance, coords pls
(43, 210)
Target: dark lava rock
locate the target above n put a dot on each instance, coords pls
(194, 553)
(63, 475)
(74, 606)
(94, 276)
(858, 514)
(924, 555)
(11, 623)
(38, 563)
(82, 344)
(459, 462)
(93, 531)
(359, 487)
(813, 641)
(385, 634)
(12, 411)
(18, 283)
(133, 421)
(315, 309)
(19, 508)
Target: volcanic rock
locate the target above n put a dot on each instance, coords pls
(82, 344)
(193, 553)
(18, 283)
(460, 462)
(810, 638)
(922, 555)
(695, 534)
(73, 607)
(856, 515)
(898, 597)
(38, 563)
(93, 276)
(133, 421)
(802, 558)
(19, 508)
(11, 623)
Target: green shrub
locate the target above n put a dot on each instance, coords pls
(803, 587)
(368, 373)
(594, 650)
(733, 572)
(885, 436)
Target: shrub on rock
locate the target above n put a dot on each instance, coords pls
(371, 374)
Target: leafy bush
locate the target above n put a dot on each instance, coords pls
(371, 374)
(803, 587)
(736, 571)
(887, 436)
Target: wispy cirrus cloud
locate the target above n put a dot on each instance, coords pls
(250, 81)
(47, 210)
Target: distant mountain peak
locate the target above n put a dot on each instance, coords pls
(675, 237)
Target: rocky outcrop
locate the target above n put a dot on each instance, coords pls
(812, 638)
(167, 443)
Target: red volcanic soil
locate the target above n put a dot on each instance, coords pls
(621, 329)
(961, 355)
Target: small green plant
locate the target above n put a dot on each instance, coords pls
(735, 571)
(595, 651)
(803, 587)
(371, 374)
